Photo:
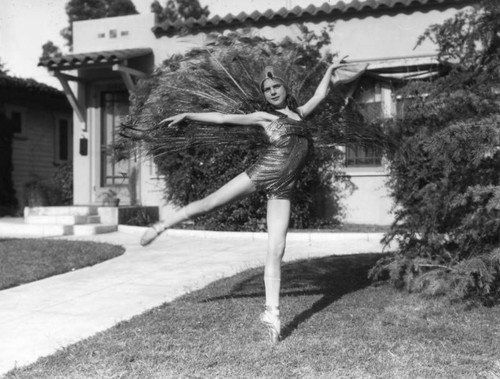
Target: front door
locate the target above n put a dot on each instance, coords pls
(114, 175)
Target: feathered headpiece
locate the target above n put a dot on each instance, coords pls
(271, 72)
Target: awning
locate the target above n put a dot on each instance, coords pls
(93, 59)
(405, 69)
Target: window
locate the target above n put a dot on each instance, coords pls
(372, 102)
(63, 140)
(113, 33)
(363, 156)
(16, 118)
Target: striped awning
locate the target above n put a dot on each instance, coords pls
(93, 59)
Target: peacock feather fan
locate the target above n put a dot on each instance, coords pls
(222, 77)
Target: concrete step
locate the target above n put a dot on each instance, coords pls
(59, 219)
(93, 219)
(23, 230)
(63, 220)
(91, 229)
(73, 210)
(19, 230)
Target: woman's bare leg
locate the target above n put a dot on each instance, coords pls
(235, 189)
(278, 217)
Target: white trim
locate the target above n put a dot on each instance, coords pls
(398, 61)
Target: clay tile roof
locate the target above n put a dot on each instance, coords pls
(339, 9)
(74, 61)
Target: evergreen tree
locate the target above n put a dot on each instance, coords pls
(179, 10)
(3, 70)
(445, 175)
(50, 51)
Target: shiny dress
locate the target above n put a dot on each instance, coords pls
(279, 166)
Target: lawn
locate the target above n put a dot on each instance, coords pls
(27, 260)
(336, 325)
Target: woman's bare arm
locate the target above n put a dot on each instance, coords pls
(256, 118)
(321, 91)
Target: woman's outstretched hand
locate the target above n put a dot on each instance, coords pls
(339, 63)
(173, 120)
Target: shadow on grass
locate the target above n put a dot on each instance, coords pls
(329, 277)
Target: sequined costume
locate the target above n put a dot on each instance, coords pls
(278, 167)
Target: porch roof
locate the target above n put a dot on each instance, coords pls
(116, 60)
(339, 9)
(93, 59)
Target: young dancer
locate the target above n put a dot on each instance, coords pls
(275, 172)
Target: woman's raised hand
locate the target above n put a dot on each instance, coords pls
(173, 120)
(339, 63)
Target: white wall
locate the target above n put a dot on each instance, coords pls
(131, 32)
(370, 203)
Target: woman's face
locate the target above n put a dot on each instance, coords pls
(274, 92)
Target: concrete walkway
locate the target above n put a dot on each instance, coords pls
(36, 319)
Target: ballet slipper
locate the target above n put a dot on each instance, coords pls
(271, 321)
(152, 233)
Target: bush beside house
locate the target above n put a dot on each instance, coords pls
(444, 169)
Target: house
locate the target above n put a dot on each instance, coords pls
(111, 54)
(42, 123)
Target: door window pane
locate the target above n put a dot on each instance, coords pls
(114, 106)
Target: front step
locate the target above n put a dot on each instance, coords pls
(77, 210)
(59, 221)
(16, 229)
(91, 229)
(74, 220)
(36, 230)
(62, 219)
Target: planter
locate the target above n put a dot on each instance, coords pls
(129, 215)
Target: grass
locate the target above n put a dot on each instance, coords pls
(27, 260)
(336, 325)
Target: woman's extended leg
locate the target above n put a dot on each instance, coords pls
(235, 189)
(278, 217)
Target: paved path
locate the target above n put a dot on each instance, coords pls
(36, 319)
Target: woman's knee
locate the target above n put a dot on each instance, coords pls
(276, 248)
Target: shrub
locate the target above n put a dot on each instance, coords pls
(445, 175)
(63, 180)
(56, 190)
